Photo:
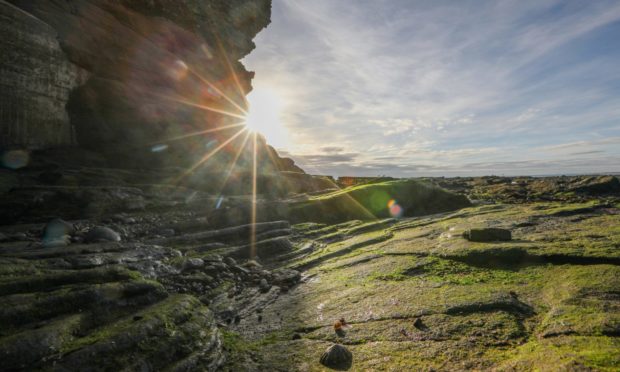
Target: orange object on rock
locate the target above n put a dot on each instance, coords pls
(339, 324)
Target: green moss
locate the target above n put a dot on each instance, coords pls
(568, 352)
(54, 278)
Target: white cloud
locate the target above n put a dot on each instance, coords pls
(449, 83)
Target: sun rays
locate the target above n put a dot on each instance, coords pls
(258, 116)
(242, 114)
(253, 218)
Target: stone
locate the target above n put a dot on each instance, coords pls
(286, 277)
(337, 357)
(252, 265)
(210, 247)
(489, 234)
(60, 241)
(240, 269)
(102, 234)
(20, 236)
(56, 230)
(264, 286)
(191, 264)
(166, 232)
(230, 261)
(211, 270)
(213, 258)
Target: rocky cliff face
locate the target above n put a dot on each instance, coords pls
(121, 76)
(36, 78)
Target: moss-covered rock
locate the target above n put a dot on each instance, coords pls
(401, 198)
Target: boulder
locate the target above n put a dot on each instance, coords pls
(102, 234)
(264, 285)
(337, 357)
(488, 234)
(57, 241)
(286, 277)
(57, 228)
(192, 264)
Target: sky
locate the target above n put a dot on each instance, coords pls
(410, 88)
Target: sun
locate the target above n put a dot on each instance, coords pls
(264, 116)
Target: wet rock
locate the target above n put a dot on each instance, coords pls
(230, 261)
(20, 236)
(57, 228)
(337, 357)
(252, 265)
(286, 277)
(102, 234)
(57, 241)
(264, 286)
(489, 234)
(211, 270)
(122, 218)
(266, 249)
(193, 264)
(213, 258)
(210, 247)
(240, 269)
(166, 232)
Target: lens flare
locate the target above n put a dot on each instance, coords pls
(396, 210)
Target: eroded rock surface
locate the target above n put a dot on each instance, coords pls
(181, 292)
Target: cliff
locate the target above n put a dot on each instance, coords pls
(36, 79)
(128, 79)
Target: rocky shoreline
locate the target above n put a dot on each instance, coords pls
(155, 285)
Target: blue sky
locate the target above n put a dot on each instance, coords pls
(416, 88)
